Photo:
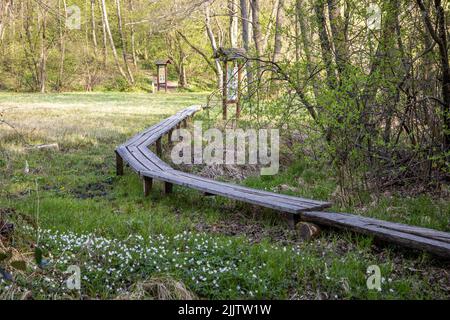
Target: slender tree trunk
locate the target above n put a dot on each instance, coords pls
(305, 42)
(338, 32)
(124, 46)
(325, 44)
(4, 8)
(273, 15)
(278, 32)
(104, 36)
(212, 40)
(133, 46)
(246, 37)
(232, 8)
(62, 44)
(257, 35)
(43, 58)
(111, 40)
(94, 33)
(439, 35)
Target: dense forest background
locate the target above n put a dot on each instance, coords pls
(363, 85)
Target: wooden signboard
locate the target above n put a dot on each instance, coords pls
(161, 77)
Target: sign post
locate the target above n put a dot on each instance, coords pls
(232, 59)
(161, 77)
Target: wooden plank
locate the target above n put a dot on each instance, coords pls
(274, 196)
(168, 122)
(419, 231)
(380, 230)
(157, 163)
(212, 187)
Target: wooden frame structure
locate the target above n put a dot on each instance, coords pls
(161, 76)
(234, 58)
(136, 153)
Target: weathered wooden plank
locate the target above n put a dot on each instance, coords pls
(274, 196)
(380, 230)
(141, 163)
(212, 187)
(419, 231)
(142, 160)
(130, 160)
(166, 123)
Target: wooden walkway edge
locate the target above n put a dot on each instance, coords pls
(136, 153)
(433, 241)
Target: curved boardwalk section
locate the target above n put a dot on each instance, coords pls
(150, 167)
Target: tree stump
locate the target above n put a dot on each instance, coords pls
(307, 231)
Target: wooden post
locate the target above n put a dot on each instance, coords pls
(169, 137)
(238, 95)
(165, 77)
(158, 147)
(148, 182)
(224, 90)
(157, 77)
(293, 219)
(184, 123)
(168, 187)
(119, 164)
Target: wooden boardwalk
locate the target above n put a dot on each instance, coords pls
(136, 153)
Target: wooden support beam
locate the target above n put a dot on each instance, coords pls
(119, 164)
(184, 123)
(168, 187)
(292, 219)
(148, 183)
(158, 147)
(238, 97)
(169, 137)
(224, 91)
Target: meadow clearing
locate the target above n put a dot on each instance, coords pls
(70, 203)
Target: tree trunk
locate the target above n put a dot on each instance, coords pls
(306, 43)
(94, 34)
(257, 35)
(133, 46)
(246, 37)
(278, 34)
(124, 46)
(232, 8)
(338, 33)
(212, 40)
(111, 40)
(104, 36)
(62, 44)
(43, 58)
(325, 44)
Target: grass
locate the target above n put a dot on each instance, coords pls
(172, 241)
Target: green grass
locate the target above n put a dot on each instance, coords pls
(74, 192)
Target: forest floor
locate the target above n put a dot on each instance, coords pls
(183, 245)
